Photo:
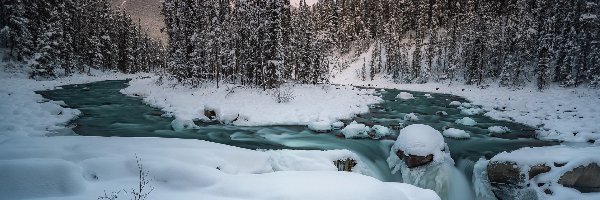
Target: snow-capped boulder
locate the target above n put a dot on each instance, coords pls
(320, 126)
(411, 117)
(556, 170)
(418, 145)
(356, 130)
(428, 96)
(380, 131)
(456, 133)
(498, 129)
(455, 103)
(405, 96)
(467, 121)
(466, 105)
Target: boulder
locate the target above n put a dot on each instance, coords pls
(345, 165)
(583, 178)
(413, 161)
(210, 114)
(538, 169)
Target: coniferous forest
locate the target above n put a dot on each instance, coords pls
(71, 36)
(268, 42)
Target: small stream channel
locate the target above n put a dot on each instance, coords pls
(107, 112)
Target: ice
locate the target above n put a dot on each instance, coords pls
(467, 121)
(411, 117)
(481, 184)
(320, 126)
(498, 129)
(456, 133)
(405, 95)
(356, 130)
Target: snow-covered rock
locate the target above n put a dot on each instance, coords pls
(441, 113)
(466, 105)
(455, 103)
(471, 111)
(320, 126)
(381, 131)
(405, 96)
(456, 133)
(554, 172)
(423, 158)
(411, 117)
(356, 130)
(467, 121)
(498, 129)
(337, 125)
(428, 96)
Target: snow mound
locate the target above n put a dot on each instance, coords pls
(337, 125)
(356, 130)
(466, 105)
(471, 111)
(420, 140)
(428, 96)
(456, 133)
(467, 121)
(381, 131)
(455, 103)
(498, 129)
(320, 126)
(405, 95)
(411, 117)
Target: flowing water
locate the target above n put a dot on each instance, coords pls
(107, 112)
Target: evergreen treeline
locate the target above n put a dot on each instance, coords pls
(74, 36)
(513, 41)
(250, 42)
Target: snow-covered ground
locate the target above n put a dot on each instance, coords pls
(33, 166)
(252, 106)
(73, 167)
(565, 114)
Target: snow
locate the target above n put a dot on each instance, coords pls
(405, 95)
(558, 113)
(356, 130)
(77, 167)
(320, 126)
(456, 133)
(498, 129)
(253, 106)
(467, 121)
(471, 111)
(571, 156)
(455, 103)
(381, 131)
(440, 175)
(337, 125)
(428, 96)
(74, 167)
(481, 183)
(420, 140)
(411, 117)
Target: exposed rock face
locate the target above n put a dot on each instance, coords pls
(211, 114)
(345, 165)
(583, 178)
(506, 179)
(538, 169)
(413, 161)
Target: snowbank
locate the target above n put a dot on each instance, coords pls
(320, 126)
(253, 106)
(356, 130)
(456, 133)
(76, 167)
